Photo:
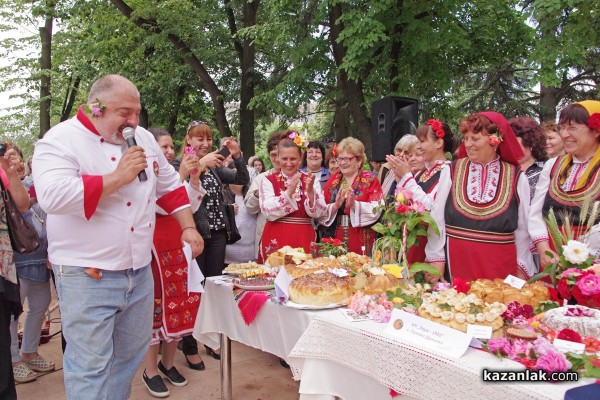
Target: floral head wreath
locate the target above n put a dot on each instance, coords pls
(299, 140)
(593, 108)
(95, 108)
(437, 128)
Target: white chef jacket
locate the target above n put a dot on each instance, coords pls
(114, 233)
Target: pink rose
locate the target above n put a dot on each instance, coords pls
(553, 362)
(589, 285)
(417, 206)
(520, 348)
(379, 314)
(570, 271)
(542, 346)
(96, 110)
(402, 209)
(500, 345)
(494, 140)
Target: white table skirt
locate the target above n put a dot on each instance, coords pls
(356, 360)
(275, 330)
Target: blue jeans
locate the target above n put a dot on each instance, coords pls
(108, 324)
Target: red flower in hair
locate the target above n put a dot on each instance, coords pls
(435, 124)
(440, 133)
(594, 121)
(334, 151)
(570, 335)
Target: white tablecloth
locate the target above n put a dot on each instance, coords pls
(275, 330)
(356, 360)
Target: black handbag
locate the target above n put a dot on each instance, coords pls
(233, 235)
(23, 237)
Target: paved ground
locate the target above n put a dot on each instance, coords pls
(256, 376)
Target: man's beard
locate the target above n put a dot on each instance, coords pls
(115, 138)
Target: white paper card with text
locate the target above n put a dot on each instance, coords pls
(515, 282)
(479, 331)
(424, 333)
(566, 346)
(282, 283)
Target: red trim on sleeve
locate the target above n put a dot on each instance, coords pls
(173, 200)
(86, 121)
(92, 191)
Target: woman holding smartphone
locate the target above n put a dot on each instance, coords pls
(211, 219)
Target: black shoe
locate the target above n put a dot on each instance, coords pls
(155, 385)
(198, 366)
(284, 364)
(172, 375)
(212, 353)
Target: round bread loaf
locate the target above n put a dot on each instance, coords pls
(320, 289)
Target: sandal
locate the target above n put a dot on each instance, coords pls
(23, 374)
(39, 364)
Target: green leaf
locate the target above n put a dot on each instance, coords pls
(424, 267)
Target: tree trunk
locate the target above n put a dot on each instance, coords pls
(341, 119)
(70, 96)
(216, 95)
(548, 103)
(352, 90)
(45, 69)
(246, 55)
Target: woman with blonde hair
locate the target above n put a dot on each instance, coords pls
(211, 218)
(352, 195)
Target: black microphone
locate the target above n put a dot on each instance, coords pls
(129, 135)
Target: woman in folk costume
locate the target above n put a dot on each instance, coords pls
(566, 181)
(482, 206)
(435, 140)
(352, 196)
(289, 199)
(174, 310)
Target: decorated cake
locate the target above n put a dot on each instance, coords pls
(457, 310)
(354, 262)
(287, 255)
(311, 266)
(581, 319)
(320, 289)
(497, 290)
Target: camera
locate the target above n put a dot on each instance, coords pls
(3, 148)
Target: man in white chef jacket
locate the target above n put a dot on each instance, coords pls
(100, 226)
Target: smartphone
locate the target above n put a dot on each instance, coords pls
(190, 151)
(224, 151)
(3, 148)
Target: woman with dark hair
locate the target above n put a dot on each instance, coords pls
(482, 206)
(566, 181)
(533, 142)
(435, 142)
(258, 165)
(313, 162)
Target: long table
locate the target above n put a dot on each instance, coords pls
(333, 357)
(275, 330)
(356, 360)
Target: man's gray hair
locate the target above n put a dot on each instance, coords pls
(104, 86)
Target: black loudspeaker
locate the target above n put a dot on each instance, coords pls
(391, 118)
